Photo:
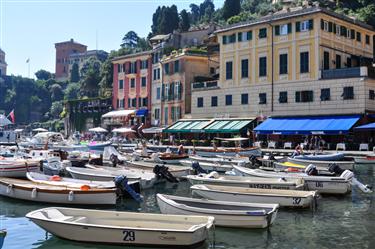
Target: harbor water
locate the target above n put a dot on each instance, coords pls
(338, 222)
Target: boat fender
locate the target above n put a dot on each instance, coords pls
(334, 168)
(198, 169)
(34, 193)
(55, 178)
(9, 188)
(311, 170)
(121, 183)
(71, 196)
(213, 175)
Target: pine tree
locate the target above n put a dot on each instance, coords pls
(184, 21)
(231, 8)
(74, 76)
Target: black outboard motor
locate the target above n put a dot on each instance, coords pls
(114, 160)
(198, 169)
(311, 170)
(254, 160)
(97, 161)
(334, 168)
(162, 172)
(122, 185)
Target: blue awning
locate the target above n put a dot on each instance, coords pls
(307, 125)
(366, 127)
(141, 113)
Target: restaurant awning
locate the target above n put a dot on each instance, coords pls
(184, 126)
(307, 125)
(118, 113)
(366, 127)
(227, 126)
(141, 113)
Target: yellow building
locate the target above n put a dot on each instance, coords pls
(306, 61)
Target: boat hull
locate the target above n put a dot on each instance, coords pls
(229, 152)
(17, 169)
(323, 164)
(208, 166)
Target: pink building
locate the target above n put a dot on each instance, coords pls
(132, 88)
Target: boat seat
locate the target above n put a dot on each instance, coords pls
(77, 219)
(55, 214)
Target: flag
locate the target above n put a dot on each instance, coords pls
(12, 117)
(28, 60)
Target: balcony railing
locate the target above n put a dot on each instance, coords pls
(350, 72)
(204, 85)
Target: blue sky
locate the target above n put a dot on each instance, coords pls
(30, 28)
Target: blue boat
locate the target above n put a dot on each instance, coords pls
(322, 157)
(3, 233)
(98, 145)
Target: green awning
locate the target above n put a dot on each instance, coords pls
(184, 126)
(227, 126)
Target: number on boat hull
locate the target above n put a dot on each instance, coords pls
(129, 235)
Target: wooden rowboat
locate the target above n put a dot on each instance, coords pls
(123, 228)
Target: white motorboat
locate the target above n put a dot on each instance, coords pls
(249, 182)
(322, 164)
(146, 179)
(31, 191)
(54, 166)
(123, 228)
(285, 198)
(207, 166)
(227, 214)
(17, 167)
(323, 184)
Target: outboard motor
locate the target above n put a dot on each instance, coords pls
(162, 172)
(334, 168)
(198, 169)
(212, 175)
(311, 170)
(97, 161)
(122, 185)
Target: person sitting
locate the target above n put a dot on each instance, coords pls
(181, 150)
(168, 150)
(297, 151)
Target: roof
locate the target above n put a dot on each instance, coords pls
(159, 37)
(70, 41)
(286, 15)
(89, 53)
(128, 56)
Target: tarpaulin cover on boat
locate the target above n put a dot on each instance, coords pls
(366, 127)
(187, 126)
(307, 125)
(227, 126)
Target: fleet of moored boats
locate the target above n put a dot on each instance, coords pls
(234, 187)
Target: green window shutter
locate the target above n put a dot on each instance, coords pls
(277, 30)
(298, 26)
(352, 34)
(311, 24)
(321, 23)
(330, 27)
(224, 39)
(289, 28)
(239, 36)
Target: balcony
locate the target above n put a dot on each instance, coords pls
(350, 72)
(206, 85)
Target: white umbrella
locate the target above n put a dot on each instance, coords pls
(123, 130)
(40, 129)
(98, 129)
(4, 121)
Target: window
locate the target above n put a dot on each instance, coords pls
(367, 39)
(326, 60)
(144, 81)
(120, 103)
(371, 94)
(249, 35)
(166, 115)
(324, 25)
(214, 101)
(305, 25)
(337, 29)
(283, 29)
(229, 70)
(132, 83)
(158, 93)
(262, 66)
(304, 96)
(244, 99)
(262, 98)
(225, 39)
(129, 103)
(133, 67)
(157, 113)
(177, 66)
(144, 64)
(304, 62)
(358, 36)
(283, 64)
(283, 97)
(348, 62)
(338, 61)
(121, 84)
(244, 68)
(145, 101)
(352, 34)
(232, 38)
(134, 102)
(154, 74)
(262, 33)
(239, 36)
(120, 68)
(348, 93)
(228, 99)
(325, 94)
(330, 26)
(200, 102)
(158, 74)
(166, 68)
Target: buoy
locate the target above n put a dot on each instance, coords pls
(71, 196)
(9, 188)
(55, 178)
(33, 193)
(85, 187)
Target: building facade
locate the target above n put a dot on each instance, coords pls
(3, 64)
(132, 79)
(63, 52)
(80, 58)
(179, 71)
(303, 61)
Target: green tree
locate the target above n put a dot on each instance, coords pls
(90, 77)
(231, 8)
(43, 75)
(195, 13)
(184, 21)
(72, 91)
(56, 109)
(130, 40)
(74, 76)
(57, 93)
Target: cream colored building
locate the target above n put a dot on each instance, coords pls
(309, 61)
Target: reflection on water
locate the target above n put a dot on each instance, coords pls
(347, 221)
